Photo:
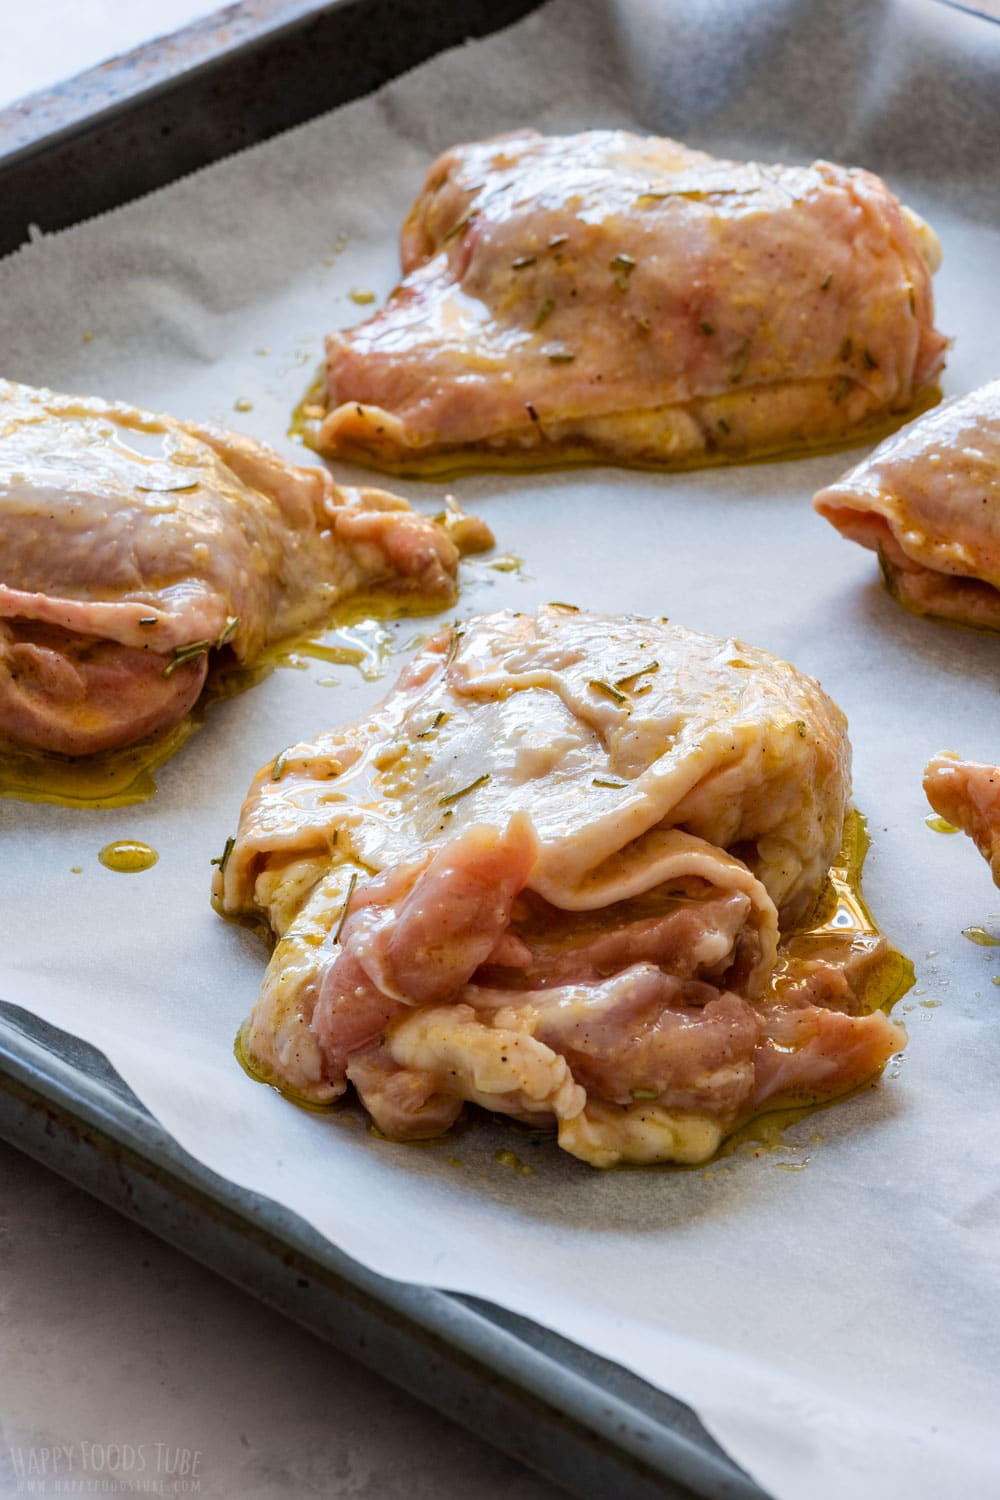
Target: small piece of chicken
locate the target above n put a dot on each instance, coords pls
(966, 793)
(608, 297)
(133, 545)
(928, 501)
(548, 875)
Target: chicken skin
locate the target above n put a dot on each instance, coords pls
(966, 793)
(928, 502)
(133, 546)
(559, 873)
(607, 297)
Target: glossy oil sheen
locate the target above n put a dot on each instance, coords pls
(841, 918)
(121, 778)
(115, 778)
(128, 856)
(307, 419)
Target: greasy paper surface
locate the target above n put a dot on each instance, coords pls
(835, 1326)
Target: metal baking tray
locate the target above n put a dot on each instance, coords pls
(99, 140)
(578, 1419)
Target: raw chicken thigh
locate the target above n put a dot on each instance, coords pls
(928, 501)
(132, 546)
(554, 874)
(608, 297)
(966, 793)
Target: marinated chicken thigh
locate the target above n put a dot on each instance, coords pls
(967, 794)
(608, 297)
(132, 546)
(561, 873)
(928, 502)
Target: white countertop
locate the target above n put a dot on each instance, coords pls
(47, 41)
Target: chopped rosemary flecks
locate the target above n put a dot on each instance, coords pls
(846, 349)
(870, 363)
(608, 689)
(724, 426)
(453, 643)
(825, 283)
(800, 726)
(557, 240)
(532, 413)
(644, 325)
(653, 666)
(278, 769)
(184, 654)
(558, 604)
(222, 859)
(843, 386)
(645, 1093)
(913, 303)
(740, 363)
(463, 223)
(465, 790)
(522, 262)
(618, 786)
(706, 327)
(227, 632)
(622, 262)
(561, 357)
(439, 719)
(150, 620)
(544, 312)
(343, 910)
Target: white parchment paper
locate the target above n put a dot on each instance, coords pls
(836, 1325)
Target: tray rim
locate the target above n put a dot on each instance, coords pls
(39, 1083)
(151, 115)
(560, 1420)
(91, 1129)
